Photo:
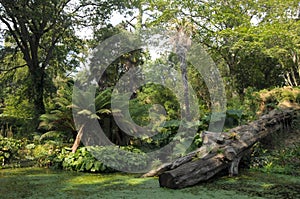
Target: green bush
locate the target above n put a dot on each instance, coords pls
(233, 118)
(287, 95)
(84, 159)
(9, 150)
(298, 98)
(241, 111)
(279, 95)
(81, 160)
(42, 154)
(283, 161)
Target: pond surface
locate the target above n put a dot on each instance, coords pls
(46, 183)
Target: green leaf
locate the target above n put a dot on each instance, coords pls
(6, 155)
(89, 165)
(103, 167)
(84, 112)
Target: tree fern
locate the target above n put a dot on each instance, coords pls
(58, 122)
(53, 135)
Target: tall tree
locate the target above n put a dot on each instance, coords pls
(182, 40)
(44, 32)
(278, 29)
(236, 31)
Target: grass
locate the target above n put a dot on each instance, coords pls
(45, 183)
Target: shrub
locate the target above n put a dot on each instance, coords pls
(297, 98)
(9, 150)
(43, 154)
(84, 159)
(283, 161)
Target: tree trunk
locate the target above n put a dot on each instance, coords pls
(37, 78)
(78, 139)
(183, 67)
(183, 43)
(37, 75)
(221, 151)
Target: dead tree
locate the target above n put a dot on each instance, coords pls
(221, 151)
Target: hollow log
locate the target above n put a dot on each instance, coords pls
(221, 151)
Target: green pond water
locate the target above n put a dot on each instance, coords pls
(46, 183)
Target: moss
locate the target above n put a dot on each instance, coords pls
(45, 183)
(273, 98)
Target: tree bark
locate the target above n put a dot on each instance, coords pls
(37, 81)
(183, 67)
(78, 139)
(221, 151)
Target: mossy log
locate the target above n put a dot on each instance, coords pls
(221, 151)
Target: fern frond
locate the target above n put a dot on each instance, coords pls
(104, 111)
(52, 135)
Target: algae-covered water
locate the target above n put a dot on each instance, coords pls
(46, 183)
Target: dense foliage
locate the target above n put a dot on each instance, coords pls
(9, 150)
(254, 44)
(84, 159)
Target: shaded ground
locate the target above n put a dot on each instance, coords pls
(45, 183)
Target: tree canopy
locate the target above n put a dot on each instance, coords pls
(255, 45)
(43, 34)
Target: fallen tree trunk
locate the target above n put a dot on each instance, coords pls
(220, 151)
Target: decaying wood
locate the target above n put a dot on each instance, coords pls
(221, 151)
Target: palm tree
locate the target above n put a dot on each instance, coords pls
(182, 41)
